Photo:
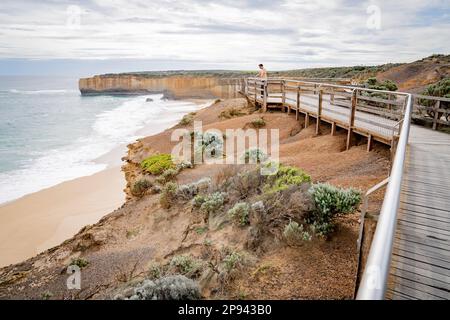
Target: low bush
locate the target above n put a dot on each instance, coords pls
(140, 187)
(167, 176)
(187, 119)
(168, 195)
(231, 113)
(232, 261)
(198, 200)
(295, 234)
(47, 295)
(184, 165)
(191, 190)
(158, 163)
(212, 203)
(155, 271)
(186, 265)
(79, 262)
(258, 123)
(373, 83)
(285, 177)
(331, 201)
(240, 213)
(175, 287)
(255, 156)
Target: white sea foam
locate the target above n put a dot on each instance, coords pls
(40, 92)
(111, 129)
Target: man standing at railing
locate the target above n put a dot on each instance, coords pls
(262, 72)
(263, 76)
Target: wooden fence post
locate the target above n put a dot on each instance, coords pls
(283, 95)
(319, 111)
(436, 114)
(332, 96)
(265, 94)
(351, 119)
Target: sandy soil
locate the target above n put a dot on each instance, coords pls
(46, 218)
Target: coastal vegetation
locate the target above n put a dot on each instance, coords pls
(187, 119)
(158, 163)
(140, 187)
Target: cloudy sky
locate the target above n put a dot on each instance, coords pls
(97, 36)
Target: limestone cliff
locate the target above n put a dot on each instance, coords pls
(177, 87)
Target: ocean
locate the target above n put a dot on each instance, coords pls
(49, 133)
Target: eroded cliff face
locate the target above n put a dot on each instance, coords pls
(176, 87)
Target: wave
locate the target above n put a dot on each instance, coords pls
(110, 129)
(32, 92)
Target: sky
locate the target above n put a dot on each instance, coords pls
(89, 37)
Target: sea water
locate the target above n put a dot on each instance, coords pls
(49, 133)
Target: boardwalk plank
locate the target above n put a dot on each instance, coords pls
(421, 256)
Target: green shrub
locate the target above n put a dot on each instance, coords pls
(168, 195)
(166, 176)
(231, 113)
(198, 200)
(232, 261)
(79, 262)
(294, 233)
(254, 156)
(158, 163)
(373, 83)
(387, 85)
(187, 119)
(213, 202)
(191, 190)
(439, 89)
(285, 177)
(140, 187)
(186, 265)
(47, 295)
(132, 233)
(176, 287)
(240, 213)
(201, 230)
(155, 271)
(331, 201)
(259, 123)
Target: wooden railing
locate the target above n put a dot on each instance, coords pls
(434, 110)
(371, 113)
(287, 94)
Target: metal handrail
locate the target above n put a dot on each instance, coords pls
(374, 280)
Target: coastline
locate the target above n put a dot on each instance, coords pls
(43, 219)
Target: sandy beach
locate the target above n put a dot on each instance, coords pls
(44, 219)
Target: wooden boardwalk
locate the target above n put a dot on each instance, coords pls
(420, 267)
(420, 259)
(337, 105)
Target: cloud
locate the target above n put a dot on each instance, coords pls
(228, 33)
